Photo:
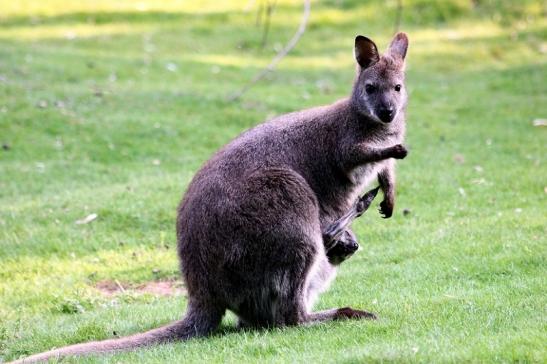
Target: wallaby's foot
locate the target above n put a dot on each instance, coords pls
(350, 313)
(344, 313)
(343, 248)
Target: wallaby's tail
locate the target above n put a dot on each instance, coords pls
(195, 323)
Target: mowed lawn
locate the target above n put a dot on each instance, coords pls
(109, 108)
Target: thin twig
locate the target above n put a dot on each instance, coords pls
(290, 45)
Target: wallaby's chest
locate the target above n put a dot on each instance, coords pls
(361, 177)
(365, 174)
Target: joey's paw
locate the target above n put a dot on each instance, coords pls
(350, 313)
(398, 151)
(386, 209)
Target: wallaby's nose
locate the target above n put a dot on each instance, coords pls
(386, 114)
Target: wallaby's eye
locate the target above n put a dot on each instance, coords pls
(369, 88)
(397, 88)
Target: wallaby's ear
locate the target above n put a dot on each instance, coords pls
(398, 46)
(366, 53)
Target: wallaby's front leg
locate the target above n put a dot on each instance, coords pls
(386, 179)
(360, 154)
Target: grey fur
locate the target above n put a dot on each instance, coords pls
(250, 225)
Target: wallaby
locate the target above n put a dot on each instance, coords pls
(251, 227)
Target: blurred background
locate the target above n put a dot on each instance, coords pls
(108, 108)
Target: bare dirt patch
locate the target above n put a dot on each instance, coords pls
(156, 288)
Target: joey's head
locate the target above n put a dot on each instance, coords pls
(379, 89)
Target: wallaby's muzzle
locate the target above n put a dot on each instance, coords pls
(386, 114)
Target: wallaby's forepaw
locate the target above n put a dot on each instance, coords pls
(350, 313)
(386, 209)
(398, 151)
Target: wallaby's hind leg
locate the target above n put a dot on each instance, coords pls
(297, 308)
(281, 299)
(278, 287)
(277, 244)
(293, 310)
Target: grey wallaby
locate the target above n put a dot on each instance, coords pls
(251, 226)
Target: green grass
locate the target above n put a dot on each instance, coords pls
(96, 123)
